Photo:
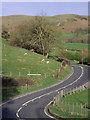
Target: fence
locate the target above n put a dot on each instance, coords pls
(74, 108)
(20, 74)
(10, 74)
(23, 80)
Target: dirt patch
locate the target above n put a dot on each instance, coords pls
(21, 60)
(23, 68)
(5, 60)
(19, 56)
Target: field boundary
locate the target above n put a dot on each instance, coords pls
(56, 99)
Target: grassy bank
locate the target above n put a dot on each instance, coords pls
(16, 65)
(76, 98)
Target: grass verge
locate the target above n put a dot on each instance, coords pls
(75, 98)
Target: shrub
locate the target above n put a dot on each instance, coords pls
(5, 34)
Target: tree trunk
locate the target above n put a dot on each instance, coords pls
(47, 55)
(60, 72)
(43, 47)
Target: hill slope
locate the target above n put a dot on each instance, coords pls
(68, 22)
(16, 65)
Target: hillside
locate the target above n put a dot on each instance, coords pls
(68, 22)
(18, 62)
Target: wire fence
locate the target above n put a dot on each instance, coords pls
(27, 74)
(71, 108)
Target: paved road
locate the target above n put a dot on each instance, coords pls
(33, 105)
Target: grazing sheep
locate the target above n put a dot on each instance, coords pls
(25, 53)
(47, 62)
(43, 60)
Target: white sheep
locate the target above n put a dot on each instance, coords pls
(47, 62)
(25, 53)
(43, 60)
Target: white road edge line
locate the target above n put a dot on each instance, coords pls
(19, 109)
(46, 112)
(52, 91)
(17, 115)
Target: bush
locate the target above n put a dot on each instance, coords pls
(5, 34)
(72, 55)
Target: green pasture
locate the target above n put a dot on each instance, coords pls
(73, 99)
(17, 65)
(77, 46)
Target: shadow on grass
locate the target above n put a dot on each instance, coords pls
(10, 86)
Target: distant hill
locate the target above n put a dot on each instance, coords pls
(68, 22)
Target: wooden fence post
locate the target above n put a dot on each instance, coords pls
(80, 88)
(64, 92)
(61, 93)
(77, 108)
(76, 89)
(73, 90)
(65, 107)
(67, 91)
(54, 101)
(73, 108)
(45, 75)
(59, 105)
(26, 86)
(19, 74)
(57, 100)
(81, 109)
(68, 107)
(62, 105)
(85, 110)
(10, 74)
(70, 91)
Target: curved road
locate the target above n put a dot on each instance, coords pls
(32, 105)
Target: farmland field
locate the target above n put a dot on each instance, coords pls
(77, 46)
(69, 35)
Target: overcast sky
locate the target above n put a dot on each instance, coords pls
(51, 8)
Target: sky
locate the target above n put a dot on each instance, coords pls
(50, 8)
